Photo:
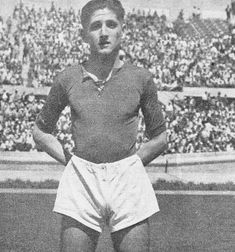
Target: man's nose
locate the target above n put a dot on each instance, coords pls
(103, 31)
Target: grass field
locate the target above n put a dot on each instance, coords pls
(185, 223)
(160, 184)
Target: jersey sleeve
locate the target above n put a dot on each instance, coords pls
(55, 103)
(152, 110)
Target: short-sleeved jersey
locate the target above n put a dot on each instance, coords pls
(104, 124)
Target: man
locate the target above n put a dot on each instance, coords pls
(104, 182)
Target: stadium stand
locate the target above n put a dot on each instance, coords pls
(209, 28)
(36, 44)
(193, 125)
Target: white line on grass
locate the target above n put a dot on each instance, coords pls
(27, 191)
(188, 192)
(159, 192)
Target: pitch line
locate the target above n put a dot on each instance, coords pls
(27, 191)
(158, 192)
(194, 192)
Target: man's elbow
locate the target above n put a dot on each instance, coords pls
(37, 134)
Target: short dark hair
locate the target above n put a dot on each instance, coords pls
(93, 5)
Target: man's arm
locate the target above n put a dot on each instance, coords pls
(47, 119)
(50, 145)
(155, 127)
(152, 149)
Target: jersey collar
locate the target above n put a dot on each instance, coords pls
(87, 75)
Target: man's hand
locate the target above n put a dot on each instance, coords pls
(152, 149)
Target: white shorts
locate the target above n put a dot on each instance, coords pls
(117, 194)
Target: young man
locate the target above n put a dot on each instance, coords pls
(104, 182)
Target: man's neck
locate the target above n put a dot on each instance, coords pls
(102, 65)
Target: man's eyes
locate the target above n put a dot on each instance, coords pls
(111, 24)
(97, 25)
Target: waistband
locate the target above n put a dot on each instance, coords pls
(126, 161)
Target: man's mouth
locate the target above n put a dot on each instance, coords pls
(103, 43)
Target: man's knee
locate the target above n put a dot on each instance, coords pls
(77, 237)
(132, 239)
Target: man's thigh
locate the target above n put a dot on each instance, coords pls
(77, 237)
(132, 239)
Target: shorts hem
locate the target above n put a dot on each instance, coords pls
(120, 227)
(77, 218)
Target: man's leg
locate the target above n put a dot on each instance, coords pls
(75, 237)
(132, 239)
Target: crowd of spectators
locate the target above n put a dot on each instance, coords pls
(198, 125)
(17, 117)
(204, 124)
(35, 43)
(193, 124)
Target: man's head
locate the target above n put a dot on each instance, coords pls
(102, 22)
(94, 5)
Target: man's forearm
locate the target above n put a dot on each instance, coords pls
(152, 149)
(50, 145)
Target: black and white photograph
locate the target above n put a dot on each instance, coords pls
(117, 126)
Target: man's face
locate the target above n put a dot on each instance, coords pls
(103, 32)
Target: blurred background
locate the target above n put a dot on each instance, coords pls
(189, 47)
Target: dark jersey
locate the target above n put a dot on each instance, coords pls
(104, 123)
